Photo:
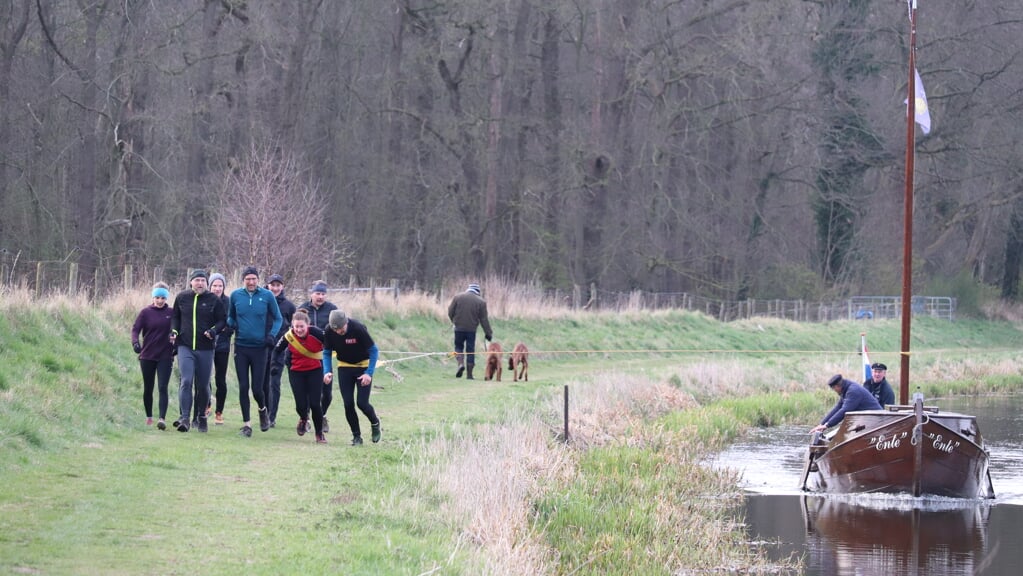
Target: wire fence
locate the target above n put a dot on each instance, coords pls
(50, 277)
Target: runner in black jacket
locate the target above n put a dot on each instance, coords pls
(197, 319)
(356, 361)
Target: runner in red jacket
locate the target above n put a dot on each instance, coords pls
(305, 371)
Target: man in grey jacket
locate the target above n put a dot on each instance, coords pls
(467, 311)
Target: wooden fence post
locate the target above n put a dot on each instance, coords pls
(565, 439)
(72, 278)
(129, 282)
(39, 279)
(394, 288)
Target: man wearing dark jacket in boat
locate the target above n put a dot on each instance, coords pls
(851, 397)
(878, 385)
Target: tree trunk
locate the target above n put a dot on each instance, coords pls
(11, 33)
(1013, 254)
(552, 269)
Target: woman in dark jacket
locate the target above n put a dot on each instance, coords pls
(222, 352)
(150, 338)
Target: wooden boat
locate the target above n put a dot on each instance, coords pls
(913, 449)
(908, 448)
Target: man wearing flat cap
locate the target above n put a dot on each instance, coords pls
(878, 385)
(851, 397)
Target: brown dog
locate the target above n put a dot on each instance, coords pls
(518, 362)
(494, 353)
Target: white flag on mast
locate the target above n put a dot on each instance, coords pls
(923, 113)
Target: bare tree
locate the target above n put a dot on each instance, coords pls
(273, 216)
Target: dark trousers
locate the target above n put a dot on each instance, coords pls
(354, 396)
(156, 372)
(272, 383)
(220, 362)
(326, 397)
(465, 342)
(195, 367)
(306, 386)
(249, 362)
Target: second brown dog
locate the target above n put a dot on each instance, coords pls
(518, 362)
(494, 353)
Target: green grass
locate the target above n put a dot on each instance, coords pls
(470, 477)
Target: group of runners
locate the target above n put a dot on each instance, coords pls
(270, 333)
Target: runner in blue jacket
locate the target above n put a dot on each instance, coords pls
(255, 318)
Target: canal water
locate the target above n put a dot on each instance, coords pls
(875, 534)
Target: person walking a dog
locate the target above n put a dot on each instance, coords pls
(356, 361)
(467, 311)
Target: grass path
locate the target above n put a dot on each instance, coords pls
(149, 502)
(86, 488)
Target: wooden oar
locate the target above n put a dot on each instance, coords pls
(809, 461)
(806, 472)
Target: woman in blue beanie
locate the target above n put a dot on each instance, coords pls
(150, 338)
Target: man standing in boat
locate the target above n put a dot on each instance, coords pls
(851, 397)
(878, 385)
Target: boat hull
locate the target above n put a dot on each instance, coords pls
(901, 451)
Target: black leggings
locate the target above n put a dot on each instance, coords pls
(249, 362)
(307, 386)
(158, 372)
(220, 361)
(355, 395)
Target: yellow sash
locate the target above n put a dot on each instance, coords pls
(361, 364)
(293, 340)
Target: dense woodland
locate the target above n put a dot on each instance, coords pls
(733, 148)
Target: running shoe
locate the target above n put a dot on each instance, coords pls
(161, 424)
(264, 419)
(301, 428)
(246, 431)
(321, 439)
(218, 419)
(149, 421)
(376, 433)
(357, 441)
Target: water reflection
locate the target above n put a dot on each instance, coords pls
(887, 536)
(852, 538)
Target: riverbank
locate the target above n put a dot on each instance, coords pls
(471, 477)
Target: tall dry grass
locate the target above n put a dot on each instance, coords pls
(494, 474)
